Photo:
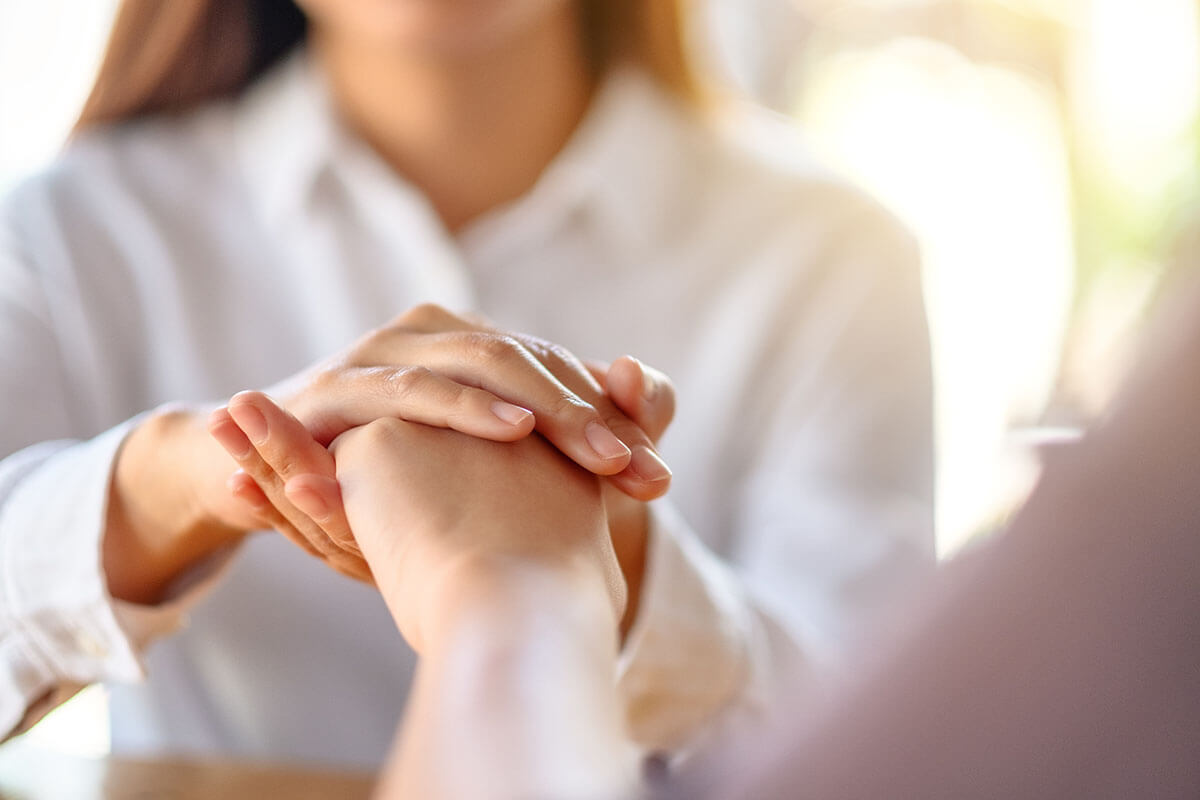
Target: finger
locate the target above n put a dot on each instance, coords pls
(243, 487)
(646, 476)
(644, 394)
(647, 397)
(501, 364)
(222, 428)
(524, 371)
(246, 489)
(313, 494)
(278, 513)
(649, 404)
(286, 449)
(563, 364)
(240, 483)
(360, 395)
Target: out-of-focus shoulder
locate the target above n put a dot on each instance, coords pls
(148, 159)
(767, 160)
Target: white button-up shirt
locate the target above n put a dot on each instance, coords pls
(183, 259)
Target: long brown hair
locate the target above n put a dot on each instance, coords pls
(166, 56)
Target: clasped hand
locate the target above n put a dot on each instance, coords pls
(432, 367)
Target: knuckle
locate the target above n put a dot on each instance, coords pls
(561, 363)
(551, 351)
(404, 383)
(326, 377)
(568, 406)
(384, 431)
(454, 395)
(422, 315)
(360, 442)
(464, 403)
(373, 340)
(545, 351)
(557, 362)
(279, 464)
(377, 345)
(560, 356)
(492, 347)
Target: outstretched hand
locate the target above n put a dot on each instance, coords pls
(441, 518)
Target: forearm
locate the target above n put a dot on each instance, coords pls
(515, 696)
(157, 524)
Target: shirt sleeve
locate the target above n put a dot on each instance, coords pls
(59, 628)
(57, 625)
(700, 650)
(831, 516)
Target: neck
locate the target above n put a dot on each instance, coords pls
(472, 131)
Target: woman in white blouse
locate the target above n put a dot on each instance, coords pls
(254, 189)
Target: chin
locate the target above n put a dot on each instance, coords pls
(436, 26)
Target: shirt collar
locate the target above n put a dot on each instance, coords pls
(624, 166)
(624, 163)
(286, 132)
(632, 153)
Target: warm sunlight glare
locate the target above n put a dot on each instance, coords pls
(973, 159)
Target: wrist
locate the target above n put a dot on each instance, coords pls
(159, 519)
(520, 650)
(500, 599)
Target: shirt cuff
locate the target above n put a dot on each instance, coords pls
(686, 658)
(59, 625)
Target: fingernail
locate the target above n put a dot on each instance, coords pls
(310, 503)
(507, 412)
(230, 437)
(251, 421)
(648, 466)
(604, 441)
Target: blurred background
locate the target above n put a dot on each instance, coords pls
(1045, 152)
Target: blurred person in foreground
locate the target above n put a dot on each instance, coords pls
(256, 190)
(1059, 660)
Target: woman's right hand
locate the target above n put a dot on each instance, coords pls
(433, 367)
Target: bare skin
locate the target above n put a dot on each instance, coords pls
(291, 465)
(171, 502)
(479, 106)
(495, 561)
